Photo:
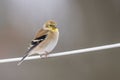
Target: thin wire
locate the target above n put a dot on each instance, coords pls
(65, 53)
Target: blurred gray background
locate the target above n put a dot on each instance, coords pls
(82, 24)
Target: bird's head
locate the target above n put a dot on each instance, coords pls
(51, 26)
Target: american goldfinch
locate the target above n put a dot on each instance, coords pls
(44, 41)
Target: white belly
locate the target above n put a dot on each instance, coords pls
(51, 45)
(48, 45)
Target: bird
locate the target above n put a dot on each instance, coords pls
(44, 41)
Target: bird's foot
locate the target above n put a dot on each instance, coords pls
(43, 56)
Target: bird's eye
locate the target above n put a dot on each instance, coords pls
(51, 25)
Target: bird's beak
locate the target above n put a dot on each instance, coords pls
(54, 27)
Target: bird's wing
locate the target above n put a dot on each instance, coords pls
(40, 36)
(41, 32)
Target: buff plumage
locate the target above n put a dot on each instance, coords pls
(44, 41)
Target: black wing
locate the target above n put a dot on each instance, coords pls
(36, 41)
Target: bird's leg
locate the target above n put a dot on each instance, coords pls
(44, 55)
(41, 56)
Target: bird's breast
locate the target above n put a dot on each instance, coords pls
(52, 41)
(49, 43)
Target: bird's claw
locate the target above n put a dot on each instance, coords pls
(42, 56)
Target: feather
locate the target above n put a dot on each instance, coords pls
(37, 41)
(41, 32)
(40, 36)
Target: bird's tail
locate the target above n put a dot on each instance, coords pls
(26, 55)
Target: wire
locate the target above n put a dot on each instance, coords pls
(65, 53)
